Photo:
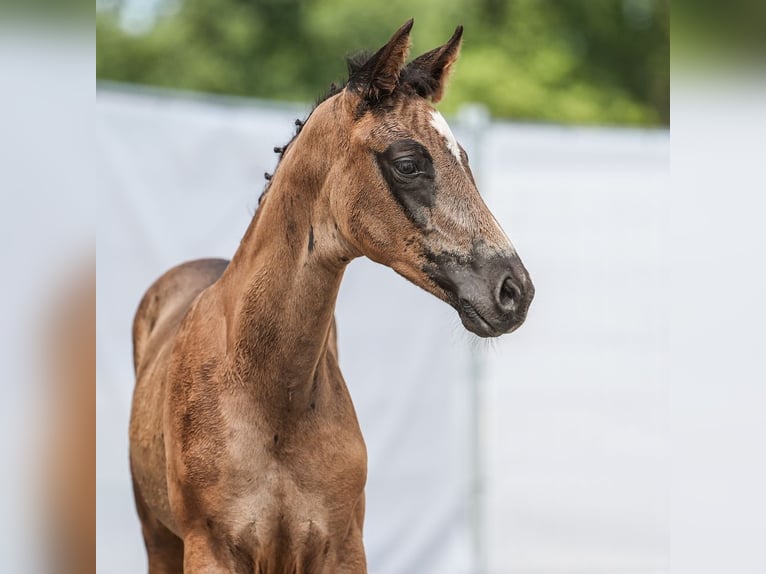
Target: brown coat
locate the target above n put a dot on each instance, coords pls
(246, 453)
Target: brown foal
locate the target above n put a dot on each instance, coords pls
(245, 449)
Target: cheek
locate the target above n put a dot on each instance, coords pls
(372, 222)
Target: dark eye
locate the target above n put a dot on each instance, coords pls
(406, 166)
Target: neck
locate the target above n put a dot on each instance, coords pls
(280, 288)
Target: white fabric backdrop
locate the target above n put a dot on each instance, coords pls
(576, 414)
(573, 407)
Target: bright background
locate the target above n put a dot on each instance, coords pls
(56, 178)
(545, 452)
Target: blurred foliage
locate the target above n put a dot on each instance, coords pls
(569, 61)
(715, 33)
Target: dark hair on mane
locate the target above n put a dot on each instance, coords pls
(412, 81)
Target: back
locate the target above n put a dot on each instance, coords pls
(165, 303)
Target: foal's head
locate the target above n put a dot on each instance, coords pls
(401, 191)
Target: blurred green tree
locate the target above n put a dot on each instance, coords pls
(568, 61)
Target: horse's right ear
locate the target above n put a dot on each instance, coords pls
(379, 75)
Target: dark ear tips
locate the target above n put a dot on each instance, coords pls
(379, 75)
(450, 50)
(457, 35)
(429, 72)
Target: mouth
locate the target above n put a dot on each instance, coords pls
(474, 322)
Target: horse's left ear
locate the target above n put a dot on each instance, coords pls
(429, 73)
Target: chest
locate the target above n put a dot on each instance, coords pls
(296, 492)
(269, 452)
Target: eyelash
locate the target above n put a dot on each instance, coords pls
(408, 163)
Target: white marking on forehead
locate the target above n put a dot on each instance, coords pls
(440, 125)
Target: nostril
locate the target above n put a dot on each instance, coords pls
(509, 294)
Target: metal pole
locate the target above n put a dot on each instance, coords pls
(474, 119)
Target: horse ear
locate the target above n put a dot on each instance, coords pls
(379, 75)
(429, 73)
